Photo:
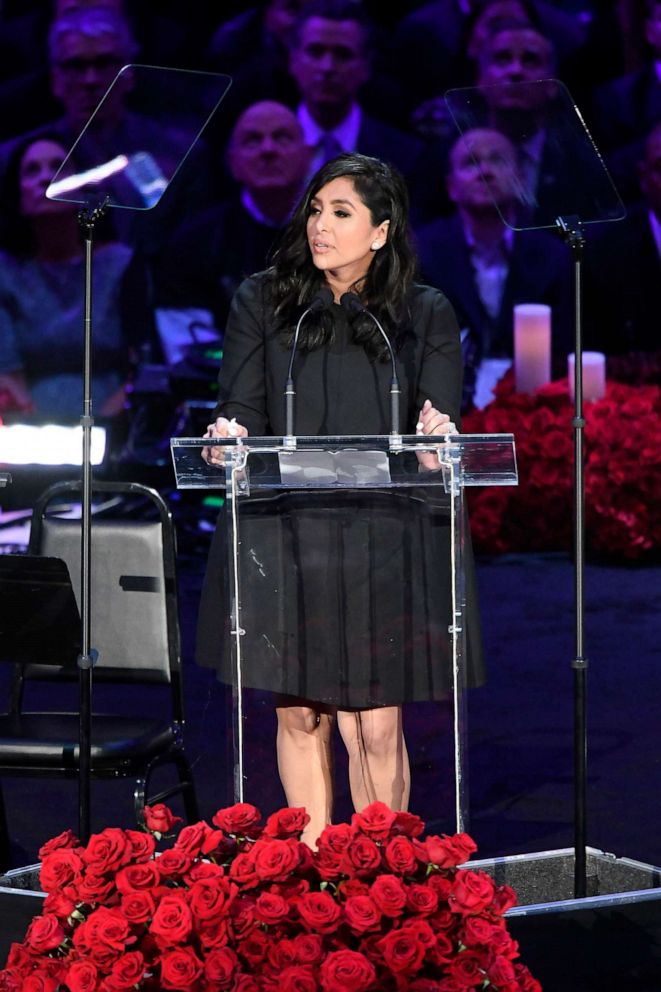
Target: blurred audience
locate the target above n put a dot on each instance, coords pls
(624, 110)
(437, 44)
(483, 265)
(623, 269)
(215, 250)
(42, 282)
(87, 48)
(311, 78)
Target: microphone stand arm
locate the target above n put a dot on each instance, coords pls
(87, 219)
(571, 231)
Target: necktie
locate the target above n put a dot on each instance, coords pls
(329, 147)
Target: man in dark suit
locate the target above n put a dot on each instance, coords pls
(623, 269)
(483, 265)
(330, 61)
(212, 252)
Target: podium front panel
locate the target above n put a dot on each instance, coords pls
(345, 585)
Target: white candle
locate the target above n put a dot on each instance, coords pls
(594, 375)
(532, 346)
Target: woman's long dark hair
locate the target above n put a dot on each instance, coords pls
(16, 235)
(294, 279)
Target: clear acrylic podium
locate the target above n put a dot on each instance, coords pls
(254, 466)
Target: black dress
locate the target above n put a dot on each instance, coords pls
(345, 594)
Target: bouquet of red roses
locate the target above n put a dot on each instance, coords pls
(622, 454)
(245, 907)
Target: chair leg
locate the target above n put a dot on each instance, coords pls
(185, 787)
(5, 846)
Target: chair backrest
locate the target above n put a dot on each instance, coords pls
(134, 615)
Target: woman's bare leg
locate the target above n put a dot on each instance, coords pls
(378, 759)
(305, 764)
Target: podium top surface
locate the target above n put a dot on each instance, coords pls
(346, 462)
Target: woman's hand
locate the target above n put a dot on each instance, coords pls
(221, 427)
(432, 422)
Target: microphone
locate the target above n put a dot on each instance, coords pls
(320, 301)
(352, 304)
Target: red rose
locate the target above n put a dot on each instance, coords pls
(254, 947)
(60, 868)
(44, 934)
(275, 859)
(297, 978)
(501, 972)
(137, 878)
(424, 985)
(110, 928)
(282, 954)
(64, 840)
(504, 898)
(468, 969)
(389, 895)
(422, 899)
(335, 837)
(352, 887)
(95, 887)
(271, 908)
(11, 979)
(476, 930)
(19, 956)
(448, 852)
(376, 820)
(290, 822)
(172, 922)
(442, 951)
(245, 983)
(526, 982)
(472, 892)
(138, 907)
(141, 845)
(107, 851)
(362, 914)
(220, 966)
(408, 824)
(216, 934)
(180, 969)
(242, 870)
(399, 855)
(241, 818)
(160, 819)
(308, 948)
(402, 951)
(362, 857)
(38, 982)
(319, 912)
(126, 972)
(191, 838)
(204, 869)
(328, 863)
(347, 971)
(503, 943)
(81, 977)
(209, 898)
(174, 863)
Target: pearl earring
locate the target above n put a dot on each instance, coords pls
(376, 245)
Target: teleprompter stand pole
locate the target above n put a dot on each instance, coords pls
(572, 233)
(87, 218)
